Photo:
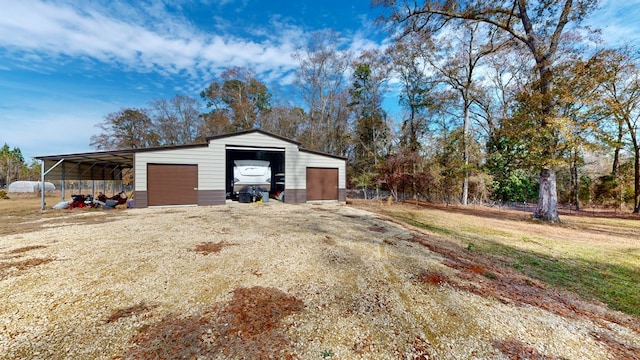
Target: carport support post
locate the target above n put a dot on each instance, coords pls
(42, 165)
(42, 204)
(63, 182)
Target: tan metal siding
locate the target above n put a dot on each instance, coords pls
(211, 164)
(254, 140)
(172, 184)
(304, 160)
(210, 160)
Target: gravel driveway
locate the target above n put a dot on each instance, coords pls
(266, 280)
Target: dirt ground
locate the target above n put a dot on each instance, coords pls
(261, 281)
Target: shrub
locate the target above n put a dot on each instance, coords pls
(517, 186)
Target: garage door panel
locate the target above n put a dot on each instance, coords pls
(322, 184)
(171, 184)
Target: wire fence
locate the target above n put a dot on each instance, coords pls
(528, 207)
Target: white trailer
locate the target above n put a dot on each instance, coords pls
(251, 176)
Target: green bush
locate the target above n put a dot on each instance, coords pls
(517, 186)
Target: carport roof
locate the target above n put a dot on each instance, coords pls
(102, 165)
(105, 157)
(98, 165)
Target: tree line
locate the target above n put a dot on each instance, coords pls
(13, 166)
(505, 100)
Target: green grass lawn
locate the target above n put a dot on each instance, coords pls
(596, 258)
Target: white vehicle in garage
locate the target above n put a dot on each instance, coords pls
(251, 176)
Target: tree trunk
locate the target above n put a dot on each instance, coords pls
(575, 184)
(636, 181)
(616, 153)
(636, 165)
(615, 169)
(547, 208)
(465, 145)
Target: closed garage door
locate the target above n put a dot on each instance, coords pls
(322, 184)
(169, 184)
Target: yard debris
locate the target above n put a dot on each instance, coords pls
(91, 202)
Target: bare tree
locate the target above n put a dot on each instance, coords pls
(126, 129)
(285, 121)
(456, 59)
(176, 120)
(321, 80)
(622, 100)
(409, 63)
(371, 131)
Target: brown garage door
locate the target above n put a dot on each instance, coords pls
(322, 184)
(169, 184)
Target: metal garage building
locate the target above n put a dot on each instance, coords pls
(201, 174)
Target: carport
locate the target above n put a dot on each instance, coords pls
(102, 165)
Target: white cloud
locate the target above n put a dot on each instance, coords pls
(618, 20)
(137, 42)
(173, 47)
(149, 37)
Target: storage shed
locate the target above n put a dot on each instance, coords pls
(202, 174)
(29, 187)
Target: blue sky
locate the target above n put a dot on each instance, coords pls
(65, 64)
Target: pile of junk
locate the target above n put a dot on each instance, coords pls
(97, 202)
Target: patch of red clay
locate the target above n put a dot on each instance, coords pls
(7, 267)
(477, 270)
(209, 247)
(516, 350)
(248, 327)
(620, 350)
(432, 278)
(25, 249)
